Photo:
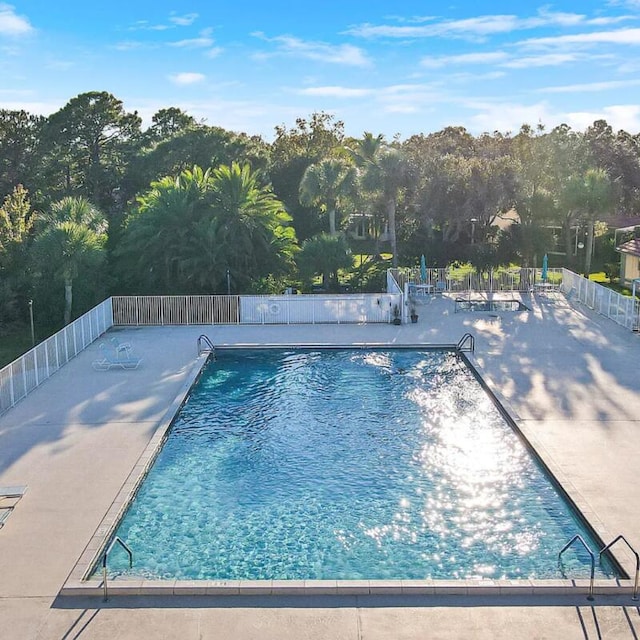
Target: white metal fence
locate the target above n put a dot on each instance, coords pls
(453, 280)
(318, 309)
(281, 309)
(621, 309)
(23, 375)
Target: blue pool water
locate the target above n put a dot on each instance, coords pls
(345, 464)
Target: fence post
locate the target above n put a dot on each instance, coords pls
(12, 393)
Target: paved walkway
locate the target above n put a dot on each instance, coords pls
(569, 377)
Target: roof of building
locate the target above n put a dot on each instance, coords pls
(622, 223)
(632, 247)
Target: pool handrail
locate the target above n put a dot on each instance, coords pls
(635, 553)
(580, 539)
(115, 540)
(203, 339)
(466, 343)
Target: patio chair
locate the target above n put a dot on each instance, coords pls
(9, 498)
(117, 358)
(121, 347)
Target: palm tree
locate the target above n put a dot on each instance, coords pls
(78, 210)
(325, 255)
(153, 246)
(71, 241)
(252, 227)
(388, 174)
(189, 230)
(327, 184)
(366, 150)
(592, 195)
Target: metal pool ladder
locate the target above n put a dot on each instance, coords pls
(579, 538)
(466, 343)
(635, 553)
(205, 345)
(104, 562)
(604, 550)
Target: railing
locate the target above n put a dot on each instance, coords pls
(452, 280)
(318, 309)
(205, 345)
(23, 375)
(180, 310)
(621, 309)
(278, 309)
(104, 562)
(466, 343)
(580, 539)
(635, 553)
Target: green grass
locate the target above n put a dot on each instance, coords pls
(362, 258)
(13, 343)
(602, 279)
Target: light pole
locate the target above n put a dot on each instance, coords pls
(473, 229)
(228, 282)
(33, 333)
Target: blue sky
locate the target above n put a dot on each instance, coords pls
(386, 67)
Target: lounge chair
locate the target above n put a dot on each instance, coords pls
(9, 498)
(115, 358)
(121, 347)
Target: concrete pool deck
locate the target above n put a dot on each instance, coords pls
(568, 376)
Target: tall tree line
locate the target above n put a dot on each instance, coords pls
(93, 203)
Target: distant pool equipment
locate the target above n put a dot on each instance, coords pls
(464, 304)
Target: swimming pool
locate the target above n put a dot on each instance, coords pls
(345, 464)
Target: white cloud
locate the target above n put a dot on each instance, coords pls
(130, 45)
(625, 117)
(545, 60)
(56, 64)
(590, 87)
(203, 41)
(481, 26)
(345, 54)
(505, 116)
(175, 20)
(631, 4)
(619, 36)
(17, 92)
(187, 77)
(183, 21)
(401, 107)
(11, 24)
(335, 92)
(214, 52)
(501, 59)
(145, 25)
(464, 58)
(40, 108)
(465, 77)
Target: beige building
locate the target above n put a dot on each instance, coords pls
(629, 260)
